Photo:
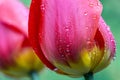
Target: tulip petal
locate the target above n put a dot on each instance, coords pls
(70, 34)
(9, 42)
(34, 19)
(59, 26)
(109, 45)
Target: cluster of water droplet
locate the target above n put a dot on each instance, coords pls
(43, 7)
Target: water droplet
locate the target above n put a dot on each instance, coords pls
(67, 25)
(56, 69)
(68, 45)
(67, 29)
(105, 51)
(67, 50)
(89, 44)
(114, 57)
(87, 28)
(91, 4)
(112, 41)
(63, 56)
(94, 52)
(98, 4)
(40, 35)
(42, 7)
(60, 40)
(68, 54)
(85, 13)
(94, 17)
(108, 28)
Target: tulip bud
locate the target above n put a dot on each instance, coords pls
(73, 38)
(16, 55)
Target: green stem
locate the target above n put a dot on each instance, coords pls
(34, 76)
(89, 76)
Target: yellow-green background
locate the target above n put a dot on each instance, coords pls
(111, 14)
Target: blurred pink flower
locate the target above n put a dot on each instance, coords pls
(16, 55)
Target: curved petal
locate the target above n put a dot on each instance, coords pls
(108, 37)
(109, 45)
(35, 18)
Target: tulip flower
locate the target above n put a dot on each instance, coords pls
(70, 36)
(16, 55)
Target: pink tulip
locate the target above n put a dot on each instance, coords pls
(16, 55)
(70, 37)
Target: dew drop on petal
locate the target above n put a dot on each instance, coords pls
(87, 28)
(85, 13)
(98, 4)
(63, 56)
(60, 40)
(105, 51)
(114, 58)
(56, 69)
(68, 45)
(89, 44)
(108, 28)
(42, 7)
(67, 50)
(67, 29)
(94, 17)
(91, 4)
(112, 41)
(94, 52)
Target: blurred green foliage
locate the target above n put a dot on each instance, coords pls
(111, 14)
(26, 2)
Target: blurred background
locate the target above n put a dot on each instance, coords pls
(111, 14)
